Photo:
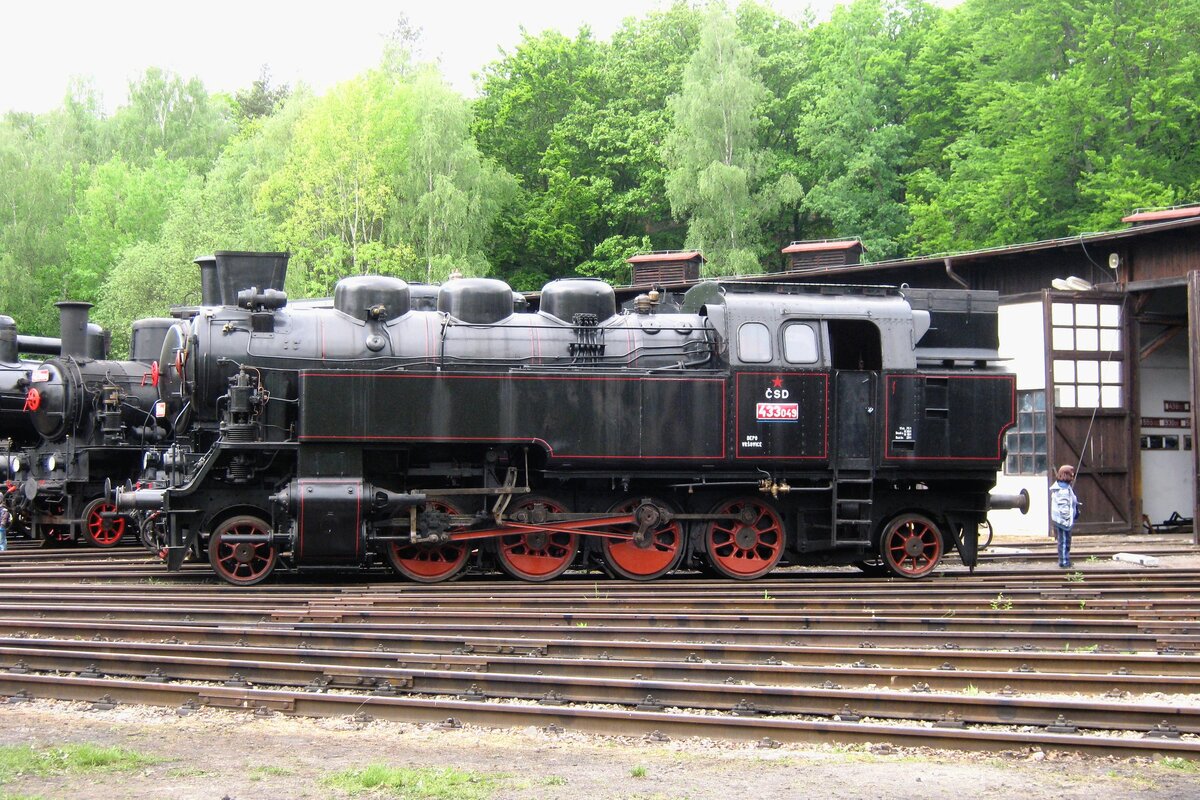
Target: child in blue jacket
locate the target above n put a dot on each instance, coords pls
(1064, 509)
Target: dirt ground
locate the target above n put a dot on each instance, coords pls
(223, 755)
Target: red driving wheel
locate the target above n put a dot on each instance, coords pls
(536, 555)
(429, 563)
(626, 560)
(747, 546)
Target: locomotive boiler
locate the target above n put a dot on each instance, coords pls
(757, 425)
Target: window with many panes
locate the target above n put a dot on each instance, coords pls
(1025, 443)
(1087, 370)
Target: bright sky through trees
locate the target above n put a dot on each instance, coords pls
(226, 43)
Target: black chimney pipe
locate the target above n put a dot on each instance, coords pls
(73, 328)
(8, 340)
(227, 272)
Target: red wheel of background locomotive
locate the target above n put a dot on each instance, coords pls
(539, 555)
(98, 530)
(54, 536)
(627, 560)
(911, 546)
(748, 547)
(429, 563)
(242, 563)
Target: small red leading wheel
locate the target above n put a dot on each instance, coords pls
(54, 536)
(242, 563)
(626, 560)
(102, 531)
(748, 546)
(537, 555)
(911, 546)
(429, 563)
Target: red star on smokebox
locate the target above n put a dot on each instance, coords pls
(778, 382)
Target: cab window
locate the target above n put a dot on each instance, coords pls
(754, 343)
(800, 344)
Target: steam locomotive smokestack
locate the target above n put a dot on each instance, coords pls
(8, 340)
(210, 289)
(227, 272)
(73, 328)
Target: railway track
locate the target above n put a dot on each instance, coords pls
(995, 660)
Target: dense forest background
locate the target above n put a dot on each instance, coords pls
(914, 128)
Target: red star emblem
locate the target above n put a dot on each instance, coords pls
(778, 382)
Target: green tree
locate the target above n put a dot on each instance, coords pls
(166, 113)
(116, 205)
(524, 97)
(852, 138)
(714, 159)
(447, 194)
(260, 100)
(332, 196)
(1069, 116)
(220, 212)
(39, 162)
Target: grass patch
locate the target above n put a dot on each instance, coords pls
(18, 760)
(258, 773)
(1180, 764)
(421, 783)
(554, 780)
(638, 772)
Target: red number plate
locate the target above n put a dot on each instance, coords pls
(777, 412)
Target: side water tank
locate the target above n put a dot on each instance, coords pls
(371, 297)
(566, 297)
(145, 344)
(478, 301)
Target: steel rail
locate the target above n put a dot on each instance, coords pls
(935, 635)
(766, 699)
(106, 692)
(733, 624)
(1095, 661)
(891, 672)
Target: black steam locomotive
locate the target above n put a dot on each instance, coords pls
(743, 427)
(89, 419)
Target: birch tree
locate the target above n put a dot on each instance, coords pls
(446, 195)
(714, 160)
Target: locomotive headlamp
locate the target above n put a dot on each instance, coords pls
(15, 465)
(52, 462)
